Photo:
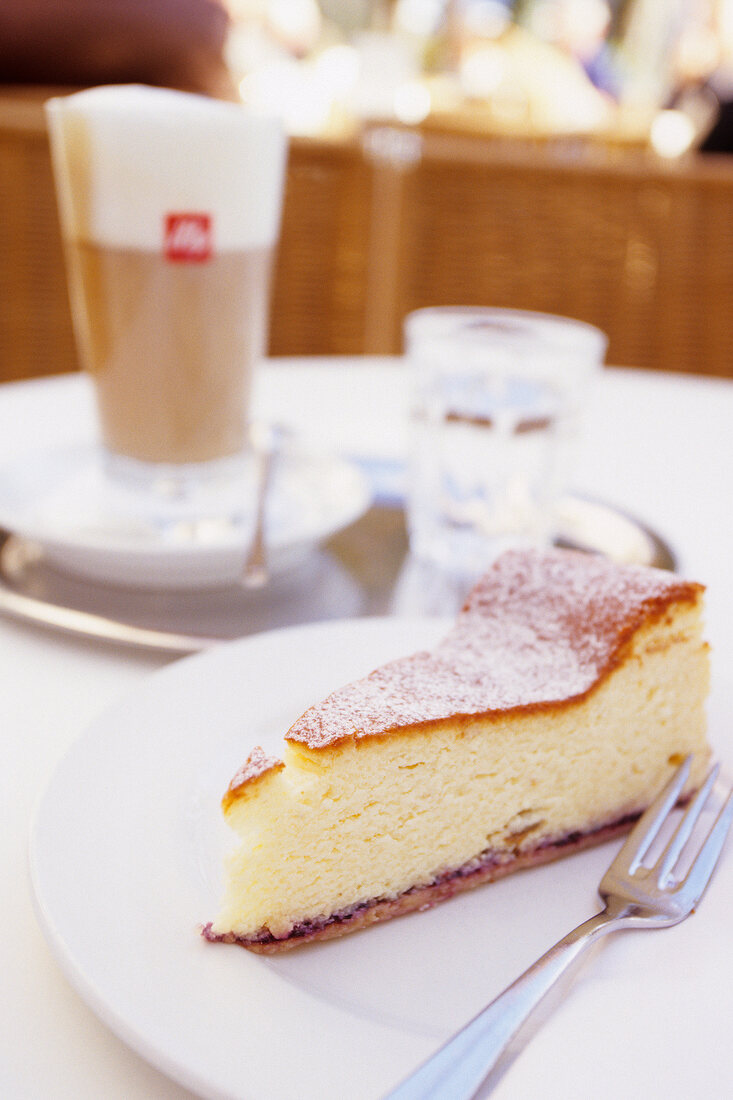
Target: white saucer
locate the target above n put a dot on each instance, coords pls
(61, 500)
(126, 853)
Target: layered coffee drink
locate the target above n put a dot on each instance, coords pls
(170, 208)
(171, 347)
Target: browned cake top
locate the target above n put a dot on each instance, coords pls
(540, 629)
(256, 764)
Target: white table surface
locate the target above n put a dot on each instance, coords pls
(660, 446)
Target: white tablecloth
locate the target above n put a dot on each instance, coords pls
(660, 446)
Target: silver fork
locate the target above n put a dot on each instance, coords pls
(634, 895)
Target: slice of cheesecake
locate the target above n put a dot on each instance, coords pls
(564, 696)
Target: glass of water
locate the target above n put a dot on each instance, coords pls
(497, 397)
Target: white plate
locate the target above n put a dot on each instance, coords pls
(125, 854)
(61, 500)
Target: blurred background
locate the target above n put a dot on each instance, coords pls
(624, 70)
(571, 156)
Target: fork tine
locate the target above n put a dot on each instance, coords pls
(701, 871)
(642, 835)
(683, 832)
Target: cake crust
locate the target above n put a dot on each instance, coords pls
(420, 897)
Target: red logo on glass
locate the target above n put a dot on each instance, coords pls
(187, 238)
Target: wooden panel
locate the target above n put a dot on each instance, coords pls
(320, 286)
(642, 251)
(35, 320)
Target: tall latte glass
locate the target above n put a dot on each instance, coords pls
(170, 210)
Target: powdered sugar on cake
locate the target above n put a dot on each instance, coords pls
(539, 629)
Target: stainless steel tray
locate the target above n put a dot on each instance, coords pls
(361, 571)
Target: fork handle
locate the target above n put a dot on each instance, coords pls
(459, 1067)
